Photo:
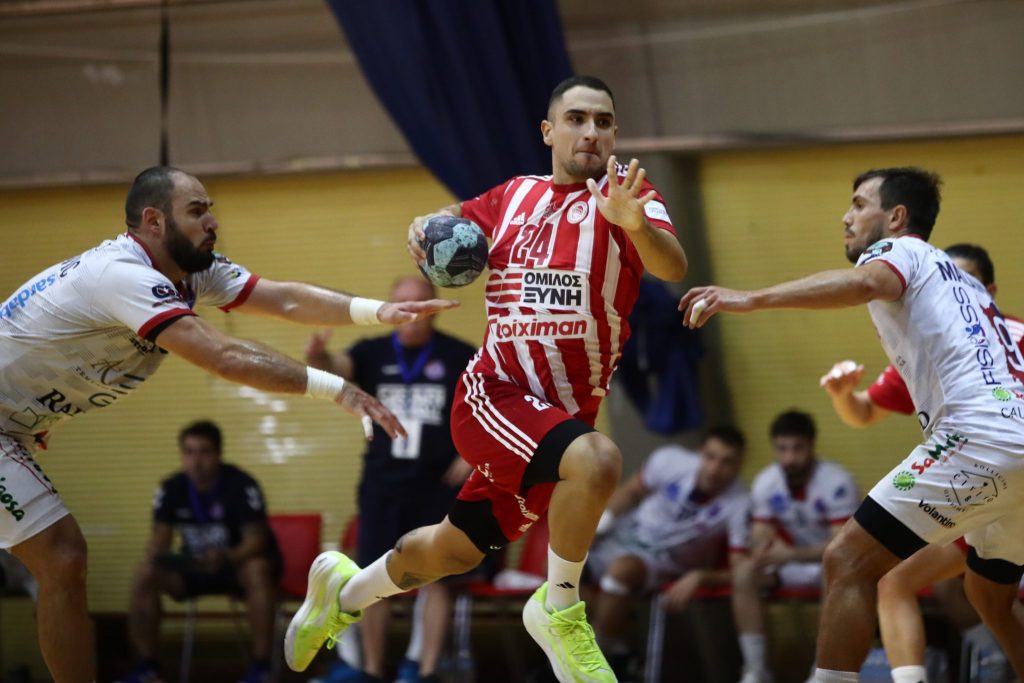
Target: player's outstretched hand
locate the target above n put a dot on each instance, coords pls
(369, 410)
(623, 206)
(843, 378)
(400, 312)
(700, 303)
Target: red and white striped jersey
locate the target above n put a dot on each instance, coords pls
(562, 284)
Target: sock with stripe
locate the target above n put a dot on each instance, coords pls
(563, 581)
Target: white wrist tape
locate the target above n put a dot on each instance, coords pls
(364, 311)
(320, 384)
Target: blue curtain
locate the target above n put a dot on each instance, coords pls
(467, 81)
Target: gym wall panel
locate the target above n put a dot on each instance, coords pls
(344, 230)
(776, 215)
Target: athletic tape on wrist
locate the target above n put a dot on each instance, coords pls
(364, 311)
(320, 384)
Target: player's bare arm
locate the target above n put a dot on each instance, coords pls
(416, 231)
(160, 539)
(854, 407)
(828, 289)
(261, 367)
(662, 255)
(308, 304)
(629, 495)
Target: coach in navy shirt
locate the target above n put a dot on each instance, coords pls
(411, 481)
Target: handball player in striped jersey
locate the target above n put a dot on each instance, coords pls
(567, 253)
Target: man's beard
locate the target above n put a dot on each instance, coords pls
(185, 255)
(853, 251)
(576, 170)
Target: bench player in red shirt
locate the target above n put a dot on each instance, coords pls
(565, 262)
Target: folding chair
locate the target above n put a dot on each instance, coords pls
(298, 537)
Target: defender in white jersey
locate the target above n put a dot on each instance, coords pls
(800, 503)
(939, 566)
(89, 331)
(683, 518)
(566, 256)
(949, 342)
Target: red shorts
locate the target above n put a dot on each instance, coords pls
(496, 427)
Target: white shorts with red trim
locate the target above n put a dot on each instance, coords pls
(29, 503)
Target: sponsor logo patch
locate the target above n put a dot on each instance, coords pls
(904, 481)
(655, 210)
(939, 518)
(527, 327)
(577, 212)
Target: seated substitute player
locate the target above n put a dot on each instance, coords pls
(683, 518)
(566, 257)
(226, 549)
(799, 503)
(410, 482)
(939, 566)
(91, 330)
(946, 336)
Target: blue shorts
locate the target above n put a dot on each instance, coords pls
(386, 514)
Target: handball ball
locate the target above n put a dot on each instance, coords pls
(456, 251)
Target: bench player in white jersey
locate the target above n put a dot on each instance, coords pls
(943, 332)
(684, 517)
(939, 566)
(566, 258)
(90, 330)
(800, 503)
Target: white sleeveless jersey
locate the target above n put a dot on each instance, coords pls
(670, 519)
(805, 517)
(79, 335)
(950, 344)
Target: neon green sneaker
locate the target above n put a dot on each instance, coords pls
(567, 640)
(320, 618)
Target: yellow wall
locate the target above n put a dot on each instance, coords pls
(775, 215)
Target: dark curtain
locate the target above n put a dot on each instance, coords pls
(467, 81)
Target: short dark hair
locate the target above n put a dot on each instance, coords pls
(728, 435)
(204, 429)
(153, 187)
(914, 188)
(976, 255)
(794, 423)
(592, 82)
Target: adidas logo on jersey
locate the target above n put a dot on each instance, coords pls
(519, 220)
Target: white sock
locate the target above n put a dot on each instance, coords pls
(909, 674)
(752, 647)
(563, 582)
(372, 584)
(415, 648)
(831, 676)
